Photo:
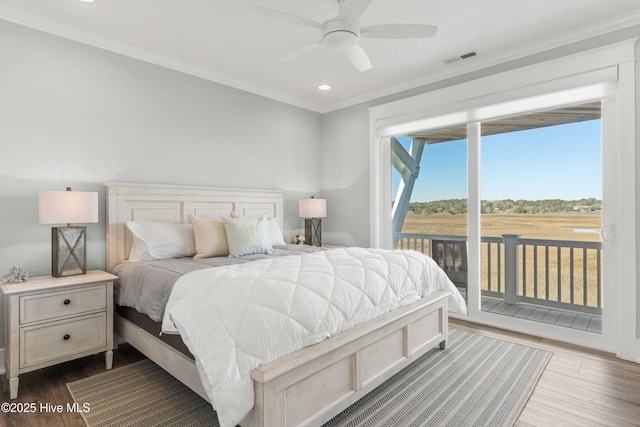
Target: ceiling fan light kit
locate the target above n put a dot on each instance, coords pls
(343, 32)
(339, 35)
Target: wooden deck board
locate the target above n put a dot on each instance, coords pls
(581, 322)
(595, 325)
(489, 303)
(524, 312)
(550, 317)
(511, 310)
(537, 314)
(566, 319)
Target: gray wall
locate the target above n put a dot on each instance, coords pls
(345, 176)
(74, 115)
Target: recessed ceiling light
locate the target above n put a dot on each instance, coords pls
(87, 1)
(324, 87)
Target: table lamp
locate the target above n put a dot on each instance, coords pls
(68, 244)
(312, 210)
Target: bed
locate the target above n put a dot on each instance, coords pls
(307, 386)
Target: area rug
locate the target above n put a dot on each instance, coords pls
(475, 381)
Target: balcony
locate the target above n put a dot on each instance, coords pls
(556, 282)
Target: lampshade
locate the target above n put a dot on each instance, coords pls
(312, 208)
(68, 207)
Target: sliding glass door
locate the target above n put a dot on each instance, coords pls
(541, 217)
(512, 209)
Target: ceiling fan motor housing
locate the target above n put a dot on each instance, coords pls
(340, 35)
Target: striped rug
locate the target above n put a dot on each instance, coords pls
(138, 395)
(476, 381)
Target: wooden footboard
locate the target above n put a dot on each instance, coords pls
(312, 385)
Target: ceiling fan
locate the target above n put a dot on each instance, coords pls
(343, 32)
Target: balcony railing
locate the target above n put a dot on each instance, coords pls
(562, 274)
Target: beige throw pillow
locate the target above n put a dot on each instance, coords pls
(210, 237)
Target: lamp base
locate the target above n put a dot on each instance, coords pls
(68, 251)
(313, 231)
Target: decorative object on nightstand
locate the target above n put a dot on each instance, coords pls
(68, 244)
(17, 274)
(52, 320)
(299, 239)
(312, 210)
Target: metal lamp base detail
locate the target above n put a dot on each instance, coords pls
(313, 231)
(68, 251)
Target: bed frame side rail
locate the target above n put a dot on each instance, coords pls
(168, 358)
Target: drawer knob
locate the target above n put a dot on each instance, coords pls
(67, 302)
(66, 337)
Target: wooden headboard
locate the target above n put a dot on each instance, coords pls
(174, 203)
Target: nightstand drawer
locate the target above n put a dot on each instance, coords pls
(52, 305)
(41, 344)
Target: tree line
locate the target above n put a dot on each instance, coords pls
(459, 206)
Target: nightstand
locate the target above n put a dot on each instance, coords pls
(49, 320)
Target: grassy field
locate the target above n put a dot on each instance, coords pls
(545, 277)
(535, 226)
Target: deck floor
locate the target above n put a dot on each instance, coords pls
(563, 318)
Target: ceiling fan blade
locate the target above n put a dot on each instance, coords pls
(352, 10)
(359, 58)
(283, 16)
(399, 31)
(300, 51)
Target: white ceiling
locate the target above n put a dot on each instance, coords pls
(227, 42)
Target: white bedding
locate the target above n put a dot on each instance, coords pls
(235, 318)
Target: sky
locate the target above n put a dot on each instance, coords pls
(554, 162)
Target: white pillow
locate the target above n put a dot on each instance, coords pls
(273, 228)
(210, 237)
(160, 240)
(274, 232)
(246, 236)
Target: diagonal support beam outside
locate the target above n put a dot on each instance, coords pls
(404, 163)
(408, 165)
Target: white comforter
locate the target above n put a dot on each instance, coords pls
(235, 318)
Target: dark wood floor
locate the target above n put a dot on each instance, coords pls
(48, 386)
